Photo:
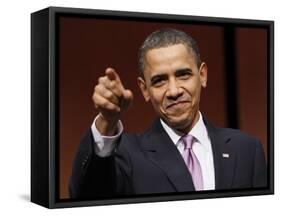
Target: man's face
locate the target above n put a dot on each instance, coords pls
(172, 82)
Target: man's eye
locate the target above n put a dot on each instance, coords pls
(184, 75)
(158, 82)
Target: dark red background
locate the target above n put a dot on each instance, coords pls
(87, 46)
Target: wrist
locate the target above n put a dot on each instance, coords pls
(107, 127)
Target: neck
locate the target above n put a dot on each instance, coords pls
(187, 128)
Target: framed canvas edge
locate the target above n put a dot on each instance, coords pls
(54, 203)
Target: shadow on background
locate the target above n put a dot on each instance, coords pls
(25, 197)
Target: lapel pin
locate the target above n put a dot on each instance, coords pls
(225, 155)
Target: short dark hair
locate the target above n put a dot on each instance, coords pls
(164, 38)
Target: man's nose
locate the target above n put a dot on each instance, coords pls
(174, 90)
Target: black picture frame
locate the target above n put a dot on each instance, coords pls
(45, 101)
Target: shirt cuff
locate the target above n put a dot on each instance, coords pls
(105, 145)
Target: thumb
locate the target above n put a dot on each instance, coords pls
(127, 98)
(128, 95)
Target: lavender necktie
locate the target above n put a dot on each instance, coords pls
(192, 162)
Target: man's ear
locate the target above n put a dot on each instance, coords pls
(143, 88)
(203, 73)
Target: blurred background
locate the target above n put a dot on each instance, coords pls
(236, 93)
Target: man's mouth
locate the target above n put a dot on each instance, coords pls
(175, 104)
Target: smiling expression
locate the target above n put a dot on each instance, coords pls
(172, 82)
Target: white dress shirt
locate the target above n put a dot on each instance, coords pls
(201, 147)
(105, 145)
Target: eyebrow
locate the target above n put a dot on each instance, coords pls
(183, 70)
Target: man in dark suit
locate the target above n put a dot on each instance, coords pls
(182, 151)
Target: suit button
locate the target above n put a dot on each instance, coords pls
(85, 160)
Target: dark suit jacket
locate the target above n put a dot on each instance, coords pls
(150, 163)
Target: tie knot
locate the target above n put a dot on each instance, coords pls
(188, 141)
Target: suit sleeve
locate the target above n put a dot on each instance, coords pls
(260, 167)
(99, 177)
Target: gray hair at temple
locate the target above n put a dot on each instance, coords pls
(164, 38)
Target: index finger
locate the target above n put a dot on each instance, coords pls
(112, 74)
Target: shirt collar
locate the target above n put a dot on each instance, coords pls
(199, 131)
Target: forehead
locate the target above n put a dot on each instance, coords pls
(169, 58)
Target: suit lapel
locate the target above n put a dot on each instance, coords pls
(160, 149)
(224, 157)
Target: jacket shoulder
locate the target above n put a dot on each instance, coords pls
(236, 133)
(238, 138)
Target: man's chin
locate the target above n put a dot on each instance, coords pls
(179, 124)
